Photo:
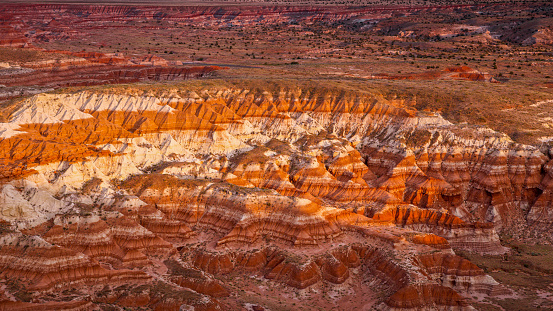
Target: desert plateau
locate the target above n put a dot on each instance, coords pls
(276, 155)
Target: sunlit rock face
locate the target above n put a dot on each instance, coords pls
(158, 197)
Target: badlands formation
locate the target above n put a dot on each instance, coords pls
(380, 156)
(120, 199)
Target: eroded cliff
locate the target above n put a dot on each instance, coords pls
(168, 190)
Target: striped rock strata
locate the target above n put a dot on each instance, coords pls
(298, 185)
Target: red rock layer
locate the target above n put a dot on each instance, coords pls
(44, 268)
(432, 240)
(540, 216)
(93, 239)
(48, 306)
(158, 223)
(414, 297)
(12, 38)
(337, 176)
(451, 73)
(477, 236)
(458, 273)
(245, 215)
(496, 185)
(67, 17)
(300, 271)
(135, 240)
(449, 265)
(105, 74)
(120, 241)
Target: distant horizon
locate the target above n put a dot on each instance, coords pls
(271, 2)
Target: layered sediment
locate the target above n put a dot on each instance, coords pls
(302, 187)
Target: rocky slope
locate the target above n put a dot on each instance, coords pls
(83, 68)
(160, 195)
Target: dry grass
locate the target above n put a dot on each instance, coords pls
(22, 56)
